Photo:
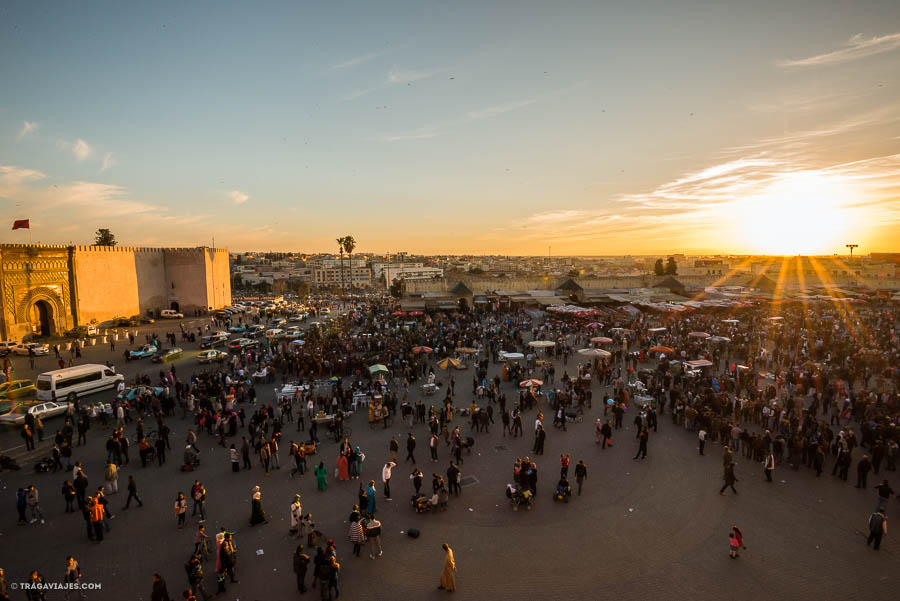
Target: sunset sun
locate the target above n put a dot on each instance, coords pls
(799, 213)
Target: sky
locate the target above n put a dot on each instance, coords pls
(580, 128)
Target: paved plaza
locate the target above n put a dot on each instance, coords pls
(651, 529)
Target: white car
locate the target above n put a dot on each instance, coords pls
(43, 410)
(7, 346)
(170, 314)
(211, 356)
(25, 349)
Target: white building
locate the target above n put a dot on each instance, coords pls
(410, 272)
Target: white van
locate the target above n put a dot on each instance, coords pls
(79, 381)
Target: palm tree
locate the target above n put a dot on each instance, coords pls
(349, 245)
(340, 242)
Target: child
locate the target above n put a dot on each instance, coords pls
(733, 545)
(738, 536)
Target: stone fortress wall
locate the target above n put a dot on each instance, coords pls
(77, 285)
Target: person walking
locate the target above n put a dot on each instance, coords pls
(642, 444)
(356, 536)
(370, 498)
(884, 495)
(386, 478)
(159, 591)
(448, 574)
(132, 493)
(606, 433)
(112, 478)
(372, 529)
(198, 495)
(321, 473)
(454, 478)
(862, 471)
(769, 466)
(877, 529)
(301, 564)
(394, 448)
(97, 512)
(180, 509)
(580, 474)
(257, 515)
(410, 447)
(235, 458)
(701, 437)
(729, 478)
(34, 507)
(73, 576)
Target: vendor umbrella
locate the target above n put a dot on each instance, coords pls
(335, 379)
(601, 340)
(415, 313)
(512, 356)
(422, 349)
(531, 383)
(466, 350)
(718, 339)
(398, 313)
(698, 335)
(662, 349)
(594, 324)
(700, 363)
(448, 363)
(379, 369)
(593, 352)
(541, 343)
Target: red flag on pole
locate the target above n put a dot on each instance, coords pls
(21, 224)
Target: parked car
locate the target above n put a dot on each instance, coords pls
(133, 392)
(254, 331)
(26, 349)
(16, 389)
(213, 340)
(169, 354)
(238, 329)
(139, 320)
(7, 346)
(212, 356)
(44, 410)
(81, 332)
(241, 344)
(170, 314)
(148, 350)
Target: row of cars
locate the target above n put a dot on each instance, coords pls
(9, 347)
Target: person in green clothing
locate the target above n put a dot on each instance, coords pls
(321, 473)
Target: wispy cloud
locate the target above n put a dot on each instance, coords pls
(12, 176)
(418, 134)
(356, 61)
(356, 94)
(108, 161)
(499, 109)
(28, 128)
(238, 197)
(855, 48)
(397, 75)
(106, 199)
(81, 149)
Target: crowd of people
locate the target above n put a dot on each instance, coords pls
(800, 388)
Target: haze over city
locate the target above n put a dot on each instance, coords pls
(468, 127)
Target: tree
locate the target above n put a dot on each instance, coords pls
(574, 273)
(104, 237)
(476, 271)
(671, 266)
(658, 267)
(340, 242)
(349, 245)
